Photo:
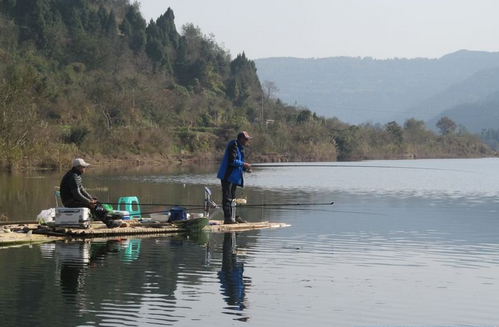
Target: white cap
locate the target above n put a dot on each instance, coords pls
(80, 162)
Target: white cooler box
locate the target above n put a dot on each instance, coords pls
(73, 217)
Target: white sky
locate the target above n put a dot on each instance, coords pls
(330, 28)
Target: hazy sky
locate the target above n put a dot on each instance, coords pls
(329, 28)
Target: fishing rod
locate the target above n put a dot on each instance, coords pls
(286, 204)
(163, 211)
(197, 206)
(333, 211)
(305, 165)
(194, 206)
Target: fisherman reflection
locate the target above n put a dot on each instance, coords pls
(100, 250)
(231, 275)
(73, 257)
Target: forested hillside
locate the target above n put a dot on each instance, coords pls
(92, 78)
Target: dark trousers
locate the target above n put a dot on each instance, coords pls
(228, 193)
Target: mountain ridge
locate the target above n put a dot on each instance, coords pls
(358, 90)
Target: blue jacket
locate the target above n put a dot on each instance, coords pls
(232, 166)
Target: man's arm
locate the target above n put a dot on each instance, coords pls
(233, 157)
(75, 191)
(85, 193)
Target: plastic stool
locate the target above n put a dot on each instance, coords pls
(129, 203)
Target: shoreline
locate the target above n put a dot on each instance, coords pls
(189, 160)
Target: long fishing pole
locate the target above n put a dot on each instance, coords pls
(287, 204)
(341, 211)
(197, 206)
(158, 204)
(165, 211)
(242, 205)
(305, 165)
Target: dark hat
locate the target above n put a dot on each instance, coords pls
(244, 135)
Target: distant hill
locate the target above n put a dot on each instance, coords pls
(475, 116)
(358, 90)
(461, 102)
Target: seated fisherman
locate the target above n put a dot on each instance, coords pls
(74, 195)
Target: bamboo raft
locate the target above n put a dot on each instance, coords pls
(32, 233)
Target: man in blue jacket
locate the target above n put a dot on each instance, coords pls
(231, 174)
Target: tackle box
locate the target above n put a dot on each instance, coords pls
(73, 217)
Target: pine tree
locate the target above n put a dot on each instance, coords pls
(111, 28)
(94, 24)
(136, 34)
(244, 82)
(166, 26)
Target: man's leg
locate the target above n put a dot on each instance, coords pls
(229, 193)
(233, 188)
(227, 196)
(233, 194)
(74, 204)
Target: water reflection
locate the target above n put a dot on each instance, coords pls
(158, 279)
(395, 249)
(131, 249)
(74, 258)
(233, 283)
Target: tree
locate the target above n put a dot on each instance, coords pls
(103, 15)
(167, 29)
(395, 131)
(304, 116)
(412, 124)
(446, 126)
(21, 90)
(244, 81)
(8, 34)
(269, 89)
(134, 26)
(94, 24)
(348, 142)
(126, 27)
(110, 26)
(415, 131)
(38, 25)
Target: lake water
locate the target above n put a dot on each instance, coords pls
(406, 243)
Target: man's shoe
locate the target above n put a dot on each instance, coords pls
(228, 222)
(240, 220)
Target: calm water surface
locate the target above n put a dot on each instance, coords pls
(406, 243)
